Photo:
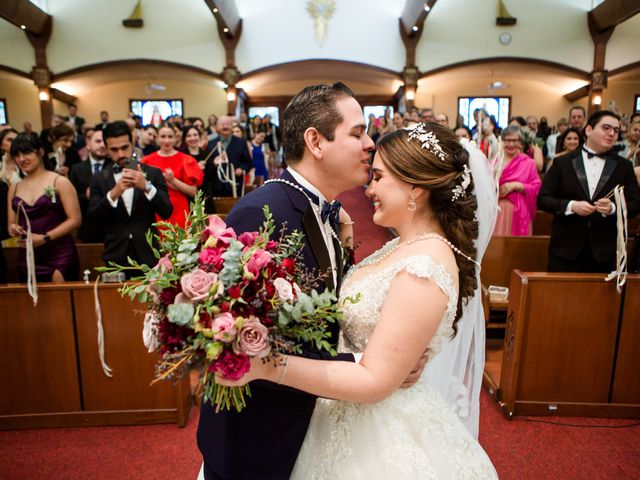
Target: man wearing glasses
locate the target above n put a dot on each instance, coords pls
(577, 188)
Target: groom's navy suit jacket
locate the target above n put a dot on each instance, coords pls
(263, 441)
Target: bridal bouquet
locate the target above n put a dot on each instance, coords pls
(215, 299)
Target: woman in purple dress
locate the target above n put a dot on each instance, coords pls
(51, 207)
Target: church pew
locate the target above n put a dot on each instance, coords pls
(560, 347)
(52, 376)
(224, 204)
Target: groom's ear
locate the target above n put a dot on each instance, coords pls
(312, 141)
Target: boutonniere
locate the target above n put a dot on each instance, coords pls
(50, 192)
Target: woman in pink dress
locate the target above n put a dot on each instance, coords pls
(519, 187)
(181, 172)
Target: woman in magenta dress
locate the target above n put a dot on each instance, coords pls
(519, 187)
(181, 172)
(51, 205)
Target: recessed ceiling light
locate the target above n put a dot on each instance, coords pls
(225, 30)
(215, 10)
(426, 7)
(23, 27)
(415, 28)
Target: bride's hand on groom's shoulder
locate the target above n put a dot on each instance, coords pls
(414, 376)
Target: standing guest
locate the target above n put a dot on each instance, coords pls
(27, 127)
(569, 141)
(193, 145)
(462, 131)
(9, 171)
(148, 140)
(397, 121)
(552, 139)
(260, 154)
(212, 129)
(125, 198)
(44, 134)
(51, 206)
(81, 176)
(488, 142)
(577, 116)
(583, 233)
(104, 120)
(442, 119)
(519, 186)
(631, 150)
(181, 173)
(227, 149)
(178, 135)
(237, 131)
(135, 135)
(63, 154)
(74, 119)
(427, 115)
(272, 133)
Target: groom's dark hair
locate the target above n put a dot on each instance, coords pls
(314, 106)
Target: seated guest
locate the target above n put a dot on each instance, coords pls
(9, 171)
(125, 198)
(181, 173)
(62, 155)
(50, 204)
(81, 176)
(575, 190)
(148, 140)
(230, 155)
(519, 185)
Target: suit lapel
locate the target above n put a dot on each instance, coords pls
(317, 245)
(578, 166)
(609, 166)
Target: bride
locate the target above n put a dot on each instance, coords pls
(412, 296)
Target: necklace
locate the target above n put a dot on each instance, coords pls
(375, 259)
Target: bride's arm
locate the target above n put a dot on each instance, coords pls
(410, 316)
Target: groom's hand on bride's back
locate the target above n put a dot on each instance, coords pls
(414, 376)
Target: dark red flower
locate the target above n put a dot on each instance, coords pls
(271, 245)
(235, 292)
(231, 366)
(168, 295)
(248, 239)
(212, 257)
(289, 265)
(225, 306)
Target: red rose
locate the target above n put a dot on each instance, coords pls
(289, 265)
(235, 292)
(225, 306)
(248, 239)
(271, 245)
(212, 257)
(231, 366)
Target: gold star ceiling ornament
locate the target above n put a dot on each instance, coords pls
(321, 11)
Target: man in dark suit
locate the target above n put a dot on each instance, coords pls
(74, 119)
(583, 233)
(230, 149)
(81, 175)
(125, 198)
(327, 148)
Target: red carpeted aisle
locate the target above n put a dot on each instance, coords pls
(521, 449)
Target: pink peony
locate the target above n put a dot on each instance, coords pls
(231, 366)
(257, 262)
(225, 326)
(196, 285)
(219, 231)
(248, 239)
(212, 257)
(284, 289)
(253, 339)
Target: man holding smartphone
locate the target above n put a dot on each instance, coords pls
(125, 198)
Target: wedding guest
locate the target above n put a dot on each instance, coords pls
(9, 171)
(397, 121)
(442, 119)
(238, 132)
(56, 120)
(74, 119)
(211, 129)
(488, 142)
(148, 140)
(49, 202)
(576, 191)
(125, 198)
(462, 131)
(193, 145)
(62, 155)
(4, 233)
(519, 185)
(569, 141)
(104, 120)
(181, 173)
(81, 176)
(427, 115)
(631, 150)
(260, 155)
(552, 139)
(577, 116)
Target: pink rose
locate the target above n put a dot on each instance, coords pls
(219, 231)
(212, 257)
(196, 285)
(253, 339)
(248, 239)
(284, 289)
(225, 326)
(231, 366)
(257, 262)
(165, 265)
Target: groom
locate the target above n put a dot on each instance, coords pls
(327, 151)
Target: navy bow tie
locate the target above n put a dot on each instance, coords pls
(593, 154)
(331, 211)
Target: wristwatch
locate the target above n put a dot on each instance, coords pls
(46, 238)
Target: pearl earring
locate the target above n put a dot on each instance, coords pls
(412, 204)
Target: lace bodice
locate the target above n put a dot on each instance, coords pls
(361, 318)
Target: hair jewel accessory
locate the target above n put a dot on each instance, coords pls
(428, 140)
(461, 189)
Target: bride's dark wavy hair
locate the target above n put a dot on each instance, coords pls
(408, 161)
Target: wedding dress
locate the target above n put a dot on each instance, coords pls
(412, 434)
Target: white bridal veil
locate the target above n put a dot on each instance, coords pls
(456, 372)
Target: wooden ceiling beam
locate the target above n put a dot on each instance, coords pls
(414, 14)
(227, 16)
(611, 13)
(24, 14)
